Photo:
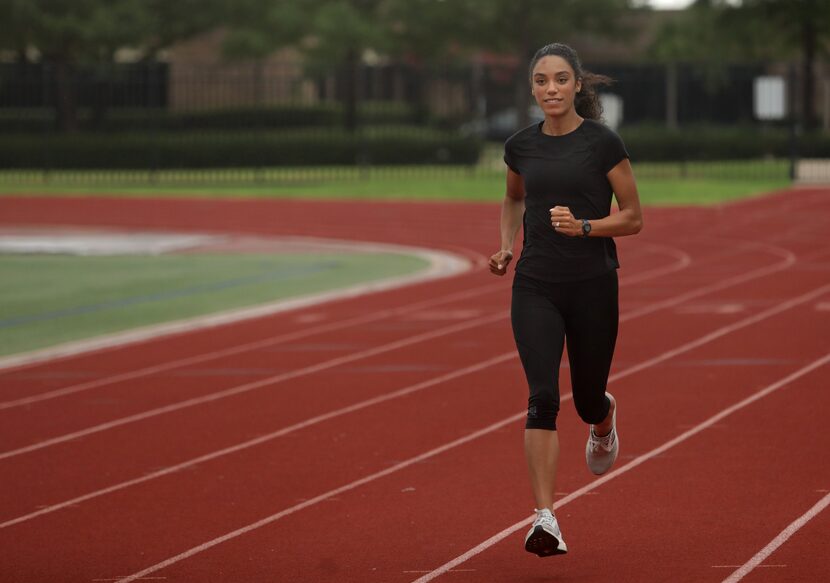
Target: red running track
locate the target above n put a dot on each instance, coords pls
(379, 438)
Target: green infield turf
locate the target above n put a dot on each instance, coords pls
(659, 183)
(47, 300)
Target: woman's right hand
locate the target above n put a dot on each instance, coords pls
(499, 262)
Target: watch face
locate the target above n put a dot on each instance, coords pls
(586, 227)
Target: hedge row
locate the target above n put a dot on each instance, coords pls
(234, 150)
(386, 145)
(657, 144)
(274, 117)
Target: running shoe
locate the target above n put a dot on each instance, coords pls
(545, 538)
(601, 451)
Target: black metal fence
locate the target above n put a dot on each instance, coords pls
(275, 122)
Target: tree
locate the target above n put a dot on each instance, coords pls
(333, 35)
(68, 33)
(802, 26)
(336, 34)
(519, 27)
(714, 32)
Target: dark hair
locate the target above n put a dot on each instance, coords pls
(587, 102)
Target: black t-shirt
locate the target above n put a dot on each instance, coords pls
(568, 170)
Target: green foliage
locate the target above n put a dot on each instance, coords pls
(255, 118)
(716, 32)
(656, 143)
(257, 28)
(92, 30)
(381, 145)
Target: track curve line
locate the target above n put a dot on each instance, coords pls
(325, 365)
(440, 264)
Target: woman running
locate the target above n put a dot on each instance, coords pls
(561, 176)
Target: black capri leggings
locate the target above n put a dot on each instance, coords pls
(545, 315)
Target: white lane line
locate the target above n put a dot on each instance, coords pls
(271, 380)
(249, 346)
(788, 262)
(623, 469)
(312, 421)
(247, 387)
(267, 437)
(322, 497)
(779, 540)
(682, 261)
(440, 264)
(499, 424)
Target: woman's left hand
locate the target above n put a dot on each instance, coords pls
(564, 222)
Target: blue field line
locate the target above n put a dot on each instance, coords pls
(280, 274)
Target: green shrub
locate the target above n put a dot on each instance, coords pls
(651, 143)
(270, 117)
(149, 150)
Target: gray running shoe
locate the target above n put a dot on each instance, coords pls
(601, 452)
(545, 538)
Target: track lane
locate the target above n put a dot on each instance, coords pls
(798, 558)
(18, 386)
(682, 514)
(133, 398)
(237, 510)
(223, 424)
(702, 214)
(460, 480)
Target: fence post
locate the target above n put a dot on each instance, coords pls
(794, 130)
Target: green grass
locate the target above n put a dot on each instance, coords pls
(46, 300)
(659, 183)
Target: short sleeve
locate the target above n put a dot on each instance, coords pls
(611, 151)
(509, 157)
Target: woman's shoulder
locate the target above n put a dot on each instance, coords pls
(599, 130)
(523, 136)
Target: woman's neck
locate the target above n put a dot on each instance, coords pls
(561, 125)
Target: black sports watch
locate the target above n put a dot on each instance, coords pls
(586, 227)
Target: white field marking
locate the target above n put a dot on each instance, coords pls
(335, 362)
(322, 497)
(495, 426)
(785, 534)
(683, 261)
(249, 346)
(270, 436)
(265, 438)
(627, 467)
(303, 424)
(268, 381)
(440, 265)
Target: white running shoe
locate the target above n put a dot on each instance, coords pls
(601, 452)
(545, 538)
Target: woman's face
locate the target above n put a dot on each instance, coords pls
(554, 85)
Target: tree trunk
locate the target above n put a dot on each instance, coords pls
(809, 40)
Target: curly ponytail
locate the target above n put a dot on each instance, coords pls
(586, 103)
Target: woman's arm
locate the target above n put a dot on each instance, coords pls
(512, 210)
(629, 221)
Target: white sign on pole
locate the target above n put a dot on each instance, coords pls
(770, 98)
(612, 109)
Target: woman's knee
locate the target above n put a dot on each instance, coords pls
(592, 409)
(542, 413)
